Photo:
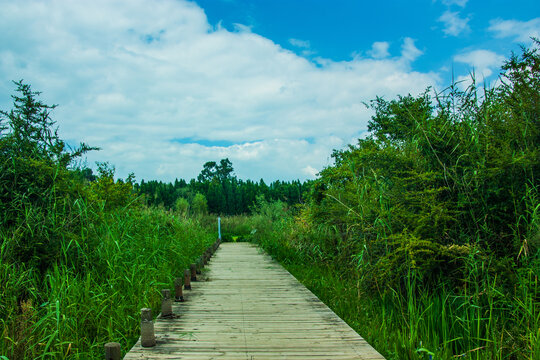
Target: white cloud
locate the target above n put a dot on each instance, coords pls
(482, 61)
(379, 49)
(241, 27)
(146, 82)
(310, 171)
(454, 25)
(520, 31)
(409, 51)
(460, 3)
(304, 44)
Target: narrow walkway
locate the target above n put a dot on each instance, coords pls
(248, 307)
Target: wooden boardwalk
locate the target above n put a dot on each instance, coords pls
(248, 307)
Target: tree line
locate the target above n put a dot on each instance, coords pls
(218, 191)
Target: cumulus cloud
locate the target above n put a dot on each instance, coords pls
(156, 87)
(482, 61)
(520, 31)
(379, 49)
(454, 25)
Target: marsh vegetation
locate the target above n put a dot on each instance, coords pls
(424, 236)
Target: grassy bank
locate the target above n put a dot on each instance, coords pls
(128, 256)
(483, 321)
(425, 234)
(80, 254)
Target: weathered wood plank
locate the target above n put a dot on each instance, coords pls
(246, 306)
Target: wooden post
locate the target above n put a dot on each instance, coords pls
(193, 270)
(112, 351)
(187, 279)
(148, 337)
(178, 294)
(166, 303)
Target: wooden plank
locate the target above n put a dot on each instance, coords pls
(247, 306)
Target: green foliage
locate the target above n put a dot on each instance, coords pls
(182, 206)
(199, 205)
(37, 191)
(270, 210)
(79, 254)
(457, 170)
(71, 311)
(425, 236)
(224, 193)
(211, 170)
(109, 193)
(216, 197)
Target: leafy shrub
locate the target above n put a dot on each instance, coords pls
(37, 191)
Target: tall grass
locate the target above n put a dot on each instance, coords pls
(433, 219)
(483, 321)
(92, 294)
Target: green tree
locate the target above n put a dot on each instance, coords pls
(208, 172)
(35, 178)
(199, 205)
(182, 206)
(224, 170)
(216, 198)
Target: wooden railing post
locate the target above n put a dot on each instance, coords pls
(112, 351)
(148, 337)
(166, 303)
(187, 279)
(178, 293)
(193, 271)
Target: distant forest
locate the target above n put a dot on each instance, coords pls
(218, 191)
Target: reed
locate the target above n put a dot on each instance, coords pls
(73, 308)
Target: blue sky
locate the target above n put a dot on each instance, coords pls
(343, 29)
(164, 86)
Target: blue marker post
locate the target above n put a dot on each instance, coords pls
(219, 227)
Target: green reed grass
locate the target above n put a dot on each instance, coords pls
(93, 293)
(481, 322)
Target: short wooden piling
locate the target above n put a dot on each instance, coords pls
(178, 293)
(112, 351)
(187, 279)
(166, 303)
(148, 337)
(193, 271)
